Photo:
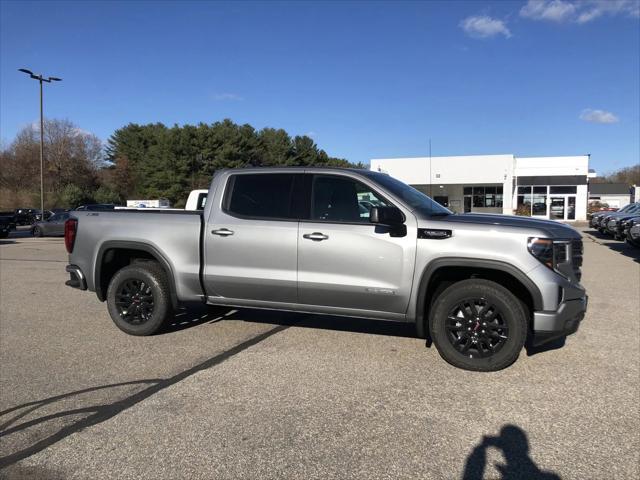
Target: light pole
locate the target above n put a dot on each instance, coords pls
(41, 79)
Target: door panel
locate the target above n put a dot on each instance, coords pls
(357, 266)
(252, 258)
(346, 262)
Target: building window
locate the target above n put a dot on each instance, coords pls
(483, 196)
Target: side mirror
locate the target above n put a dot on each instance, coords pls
(390, 216)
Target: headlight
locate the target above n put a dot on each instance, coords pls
(552, 253)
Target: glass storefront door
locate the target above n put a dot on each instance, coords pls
(556, 208)
(562, 207)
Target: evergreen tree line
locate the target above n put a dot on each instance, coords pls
(156, 161)
(141, 161)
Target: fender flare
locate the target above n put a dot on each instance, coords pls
(486, 264)
(130, 245)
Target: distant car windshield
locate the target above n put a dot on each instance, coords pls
(417, 200)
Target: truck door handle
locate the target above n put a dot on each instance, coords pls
(315, 236)
(223, 232)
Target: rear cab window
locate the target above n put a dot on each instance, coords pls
(265, 196)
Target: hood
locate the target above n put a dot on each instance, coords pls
(553, 229)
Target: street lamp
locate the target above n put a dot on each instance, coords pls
(41, 79)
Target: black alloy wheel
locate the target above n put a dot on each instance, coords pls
(476, 327)
(478, 324)
(134, 300)
(139, 298)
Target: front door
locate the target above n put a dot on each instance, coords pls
(346, 262)
(251, 239)
(562, 207)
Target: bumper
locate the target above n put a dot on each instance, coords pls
(549, 326)
(77, 279)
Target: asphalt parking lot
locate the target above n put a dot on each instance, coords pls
(252, 394)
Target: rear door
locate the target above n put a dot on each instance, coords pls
(251, 239)
(346, 262)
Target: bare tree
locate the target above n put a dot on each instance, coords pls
(71, 157)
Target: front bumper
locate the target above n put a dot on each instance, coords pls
(549, 326)
(77, 279)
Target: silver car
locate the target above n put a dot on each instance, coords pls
(53, 227)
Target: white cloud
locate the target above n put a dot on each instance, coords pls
(579, 11)
(552, 10)
(598, 116)
(233, 97)
(311, 134)
(484, 26)
(597, 8)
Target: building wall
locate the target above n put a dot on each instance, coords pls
(613, 200)
(448, 175)
(452, 172)
(565, 166)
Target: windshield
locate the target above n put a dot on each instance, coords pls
(417, 200)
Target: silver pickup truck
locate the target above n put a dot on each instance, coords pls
(339, 242)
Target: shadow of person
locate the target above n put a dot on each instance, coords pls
(514, 445)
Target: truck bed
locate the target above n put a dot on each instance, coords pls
(172, 235)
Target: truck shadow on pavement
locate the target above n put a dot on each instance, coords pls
(199, 314)
(513, 443)
(92, 414)
(619, 246)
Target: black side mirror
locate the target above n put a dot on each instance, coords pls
(390, 216)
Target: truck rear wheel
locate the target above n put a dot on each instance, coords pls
(478, 325)
(138, 298)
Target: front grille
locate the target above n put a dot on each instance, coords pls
(576, 257)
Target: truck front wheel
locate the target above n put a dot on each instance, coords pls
(478, 325)
(138, 298)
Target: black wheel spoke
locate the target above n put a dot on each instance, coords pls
(134, 300)
(476, 327)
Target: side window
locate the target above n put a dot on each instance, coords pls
(266, 195)
(202, 201)
(341, 199)
(55, 218)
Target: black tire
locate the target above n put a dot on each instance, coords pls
(37, 232)
(139, 299)
(459, 333)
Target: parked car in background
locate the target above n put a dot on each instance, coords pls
(597, 216)
(37, 215)
(634, 234)
(5, 225)
(11, 219)
(197, 200)
(602, 221)
(616, 225)
(24, 216)
(53, 226)
(97, 207)
(629, 225)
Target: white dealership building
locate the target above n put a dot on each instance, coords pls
(542, 187)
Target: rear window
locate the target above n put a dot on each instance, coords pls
(260, 196)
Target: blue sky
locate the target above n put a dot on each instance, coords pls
(364, 79)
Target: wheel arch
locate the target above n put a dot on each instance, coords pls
(108, 263)
(441, 272)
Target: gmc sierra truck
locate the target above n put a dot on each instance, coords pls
(339, 242)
